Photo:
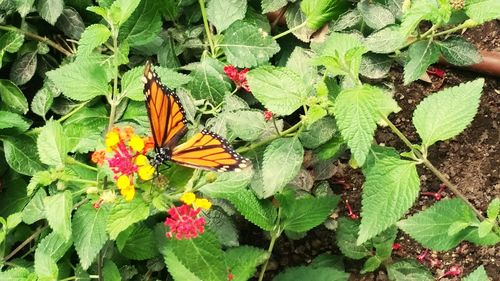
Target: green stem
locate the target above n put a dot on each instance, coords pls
(25, 242)
(75, 110)
(275, 234)
(266, 141)
(277, 36)
(71, 160)
(114, 95)
(79, 180)
(38, 38)
(69, 278)
(207, 27)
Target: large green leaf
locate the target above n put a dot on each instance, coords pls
(247, 124)
(294, 17)
(84, 129)
(54, 245)
(50, 10)
(419, 10)
(259, 212)
(45, 267)
(89, 232)
(52, 144)
(124, 215)
(245, 45)
(458, 51)
(137, 243)
(58, 209)
(482, 10)
(279, 89)
(71, 23)
(13, 120)
(243, 261)
(346, 235)
(143, 25)
(18, 274)
(93, 36)
(222, 13)
(422, 54)
(209, 81)
(375, 15)
(300, 62)
(23, 68)
(228, 183)
(385, 41)
(12, 97)
(319, 12)
(447, 113)
(34, 211)
(121, 10)
(22, 155)
(318, 133)
(431, 227)
(408, 270)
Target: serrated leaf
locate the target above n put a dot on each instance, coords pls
(23, 68)
(356, 111)
(282, 162)
(493, 208)
(110, 271)
(21, 155)
(13, 120)
(347, 234)
(272, 5)
(124, 215)
(331, 149)
(143, 25)
(430, 227)
(81, 80)
(490, 239)
(347, 20)
(50, 10)
(318, 133)
(422, 54)
(305, 273)
(121, 10)
(52, 144)
(371, 264)
(93, 36)
(278, 89)
(482, 11)
(18, 274)
(208, 81)
(54, 245)
(84, 129)
(89, 232)
(243, 261)
(302, 214)
(479, 274)
(228, 183)
(447, 113)
(375, 15)
(458, 51)
(34, 211)
(222, 225)
(222, 13)
(12, 97)
(375, 66)
(246, 46)
(58, 212)
(385, 41)
(419, 10)
(259, 212)
(45, 267)
(294, 17)
(71, 23)
(42, 101)
(177, 269)
(248, 124)
(408, 270)
(138, 243)
(300, 62)
(319, 12)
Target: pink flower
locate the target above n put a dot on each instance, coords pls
(238, 77)
(454, 271)
(184, 223)
(268, 115)
(122, 162)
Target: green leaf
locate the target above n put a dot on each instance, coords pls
(419, 10)
(430, 227)
(371, 264)
(243, 261)
(331, 149)
(42, 101)
(375, 66)
(81, 80)
(18, 274)
(137, 243)
(11, 41)
(318, 133)
(50, 10)
(122, 10)
(222, 13)
(356, 111)
(54, 245)
(52, 144)
(246, 124)
(12, 97)
(23, 68)
(272, 5)
(458, 51)
(206, 260)
(222, 225)
(71, 23)
(89, 232)
(93, 36)
(347, 20)
(347, 234)
(143, 25)
(14, 199)
(328, 260)
(319, 12)
(245, 45)
(45, 267)
(124, 215)
(490, 239)
(294, 17)
(305, 273)
(13, 120)
(479, 274)
(228, 183)
(282, 161)
(300, 62)
(279, 89)
(493, 208)
(385, 41)
(422, 54)
(390, 189)
(259, 212)
(482, 11)
(110, 271)
(484, 228)
(408, 270)
(21, 155)
(375, 15)
(58, 212)
(35, 209)
(84, 129)
(447, 113)
(177, 270)
(302, 214)
(208, 81)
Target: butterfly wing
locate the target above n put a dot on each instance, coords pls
(209, 151)
(166, 114)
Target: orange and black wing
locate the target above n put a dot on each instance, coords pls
(209, 151)
(165, 111)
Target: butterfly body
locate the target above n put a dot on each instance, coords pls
(205, 150)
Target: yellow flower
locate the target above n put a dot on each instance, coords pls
(203, 203)
(146, 172)
(141, 160)
(128, 193)
(136, 143)
(112, 139)
(188, 198)
(123, 182)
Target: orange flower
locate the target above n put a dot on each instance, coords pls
(98, 157)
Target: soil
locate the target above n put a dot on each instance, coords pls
(471, 161)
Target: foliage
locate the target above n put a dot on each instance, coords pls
(77, 185)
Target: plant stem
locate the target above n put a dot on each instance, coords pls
(269, 251)
(266, 141)
(25, 242)
(114, 95)
(207, 27)
(277, 36)
(37, 37)
(79, 180)
(71, 160)
(75, 110)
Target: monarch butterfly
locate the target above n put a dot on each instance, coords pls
(205, 150)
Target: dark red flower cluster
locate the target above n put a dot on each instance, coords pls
(184, 222)
(238, 77)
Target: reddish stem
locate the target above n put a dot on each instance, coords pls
(350, 213)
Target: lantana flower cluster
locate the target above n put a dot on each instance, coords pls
(238, 77)
(125, 154)
(184, 221)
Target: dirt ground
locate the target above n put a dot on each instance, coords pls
(471, 161)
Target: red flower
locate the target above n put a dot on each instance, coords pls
(122, 162)
(396, 246)
(268, 115)
(238, 77)
(184, 223)
(436, 71)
